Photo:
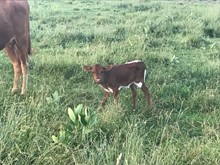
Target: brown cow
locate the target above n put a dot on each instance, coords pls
(15, 37)
(113, 78)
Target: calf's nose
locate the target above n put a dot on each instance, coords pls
(97, 80)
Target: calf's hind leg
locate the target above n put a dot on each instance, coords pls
(134, 94)
(146, 93)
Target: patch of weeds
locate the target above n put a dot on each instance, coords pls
(211, 29)
(118, 35)
(170, 25)
(54, 98)
(82, 121)
(79, 37)
(104, 21)
(196, 42)
(205, 101)
(146, 7)
(124, 6)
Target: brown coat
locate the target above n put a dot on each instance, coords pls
(113, 78)
(15, 37)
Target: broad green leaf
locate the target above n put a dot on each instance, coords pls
(62, 136)
(55, 139)
(56, 96)
(86, 111)
(78, 109)
(72, 116)
(87, 130)
(93, 120)
(82, 121)
(79, 117)
(87, 118)
(49, 99)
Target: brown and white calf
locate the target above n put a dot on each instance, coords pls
(114, 77)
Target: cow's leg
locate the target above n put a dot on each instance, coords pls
(24, 68)
(104, 99)
(10, 50)
(134, 94)
(146, 93)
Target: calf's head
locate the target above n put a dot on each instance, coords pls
(98, 72)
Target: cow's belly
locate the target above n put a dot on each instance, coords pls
(139, 85)
(110, 90)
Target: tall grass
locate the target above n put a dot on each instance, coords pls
(178, 41)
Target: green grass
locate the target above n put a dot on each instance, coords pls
(180, 44)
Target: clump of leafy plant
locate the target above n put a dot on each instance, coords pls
(54, 98)
(81, 124)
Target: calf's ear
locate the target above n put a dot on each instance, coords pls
(88, 68)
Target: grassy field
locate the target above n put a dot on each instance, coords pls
(180, 44)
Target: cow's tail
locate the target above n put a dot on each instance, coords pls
(29, 40)
(29, 45)
(28, 31)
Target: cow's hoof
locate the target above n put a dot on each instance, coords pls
(15, 91)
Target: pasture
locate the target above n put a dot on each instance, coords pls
(179, 41)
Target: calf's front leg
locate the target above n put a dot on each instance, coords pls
(104, 99)
(115, 95)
